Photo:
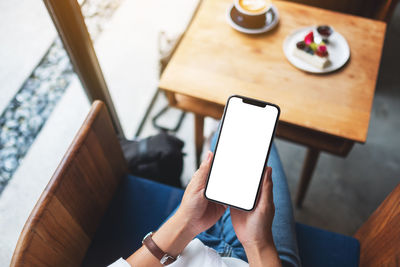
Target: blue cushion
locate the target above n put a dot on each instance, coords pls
(139, 206)
(318, 247)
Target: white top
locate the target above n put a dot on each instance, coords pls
(196, 254)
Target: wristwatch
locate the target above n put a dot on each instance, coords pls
(157, 252)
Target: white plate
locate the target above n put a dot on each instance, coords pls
(338, 49)
(271, 21)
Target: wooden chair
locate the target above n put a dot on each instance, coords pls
(379, 236)
(63, 224)
(375, 9)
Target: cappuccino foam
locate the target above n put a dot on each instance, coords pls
(254, 6)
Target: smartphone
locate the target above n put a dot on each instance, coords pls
(241, 153)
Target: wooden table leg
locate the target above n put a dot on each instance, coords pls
(306, 174)
(198, 136)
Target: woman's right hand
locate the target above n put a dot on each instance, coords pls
(253, 228)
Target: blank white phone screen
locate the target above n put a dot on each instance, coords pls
(241, 152)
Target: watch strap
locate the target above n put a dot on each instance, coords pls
(157, 252)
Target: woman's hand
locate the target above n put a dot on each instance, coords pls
(199, 213)
(194, 215)
(253, 228)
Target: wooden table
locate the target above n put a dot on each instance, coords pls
(323, 112)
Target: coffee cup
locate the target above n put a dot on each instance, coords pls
(250, 14)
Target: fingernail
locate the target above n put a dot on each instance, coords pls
(209, 153)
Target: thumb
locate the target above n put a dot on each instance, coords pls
(202, 172)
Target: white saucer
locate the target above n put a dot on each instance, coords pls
(338, 48)
(272, 19)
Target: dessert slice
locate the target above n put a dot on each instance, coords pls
(311, 52)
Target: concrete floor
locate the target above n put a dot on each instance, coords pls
(343, 192)
(22, 44)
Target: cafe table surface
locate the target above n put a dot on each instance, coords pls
(324, 112)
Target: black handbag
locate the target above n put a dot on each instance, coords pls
(158, 158)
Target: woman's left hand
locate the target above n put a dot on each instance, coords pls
(199, 213)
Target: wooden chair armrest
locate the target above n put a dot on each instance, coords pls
(379, 236)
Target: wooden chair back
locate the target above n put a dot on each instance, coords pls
(379, 236)
(375, 9)
(59, 230)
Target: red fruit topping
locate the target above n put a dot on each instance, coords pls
(322, 48)
(309, 38)
(321, 53)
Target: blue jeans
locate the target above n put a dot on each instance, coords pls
(222, 237)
